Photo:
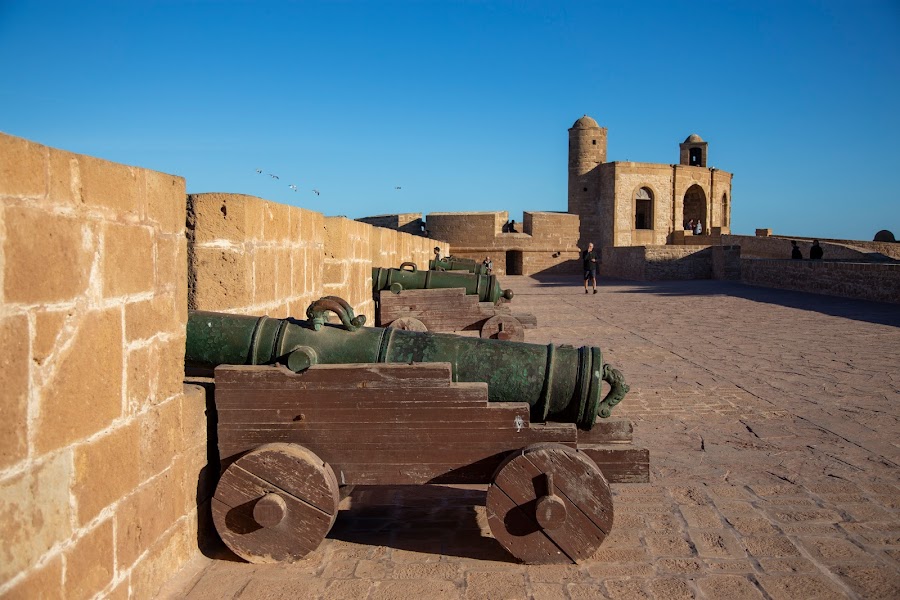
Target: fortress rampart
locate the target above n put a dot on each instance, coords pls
(545, 242)
(105, 471)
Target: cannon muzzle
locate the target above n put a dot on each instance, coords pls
(560, 383)
(408, 277)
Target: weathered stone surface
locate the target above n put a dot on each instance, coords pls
(106, 469)
(35, 514)
(90, 562)
(14, 383)
(83, 394)
(47, 258)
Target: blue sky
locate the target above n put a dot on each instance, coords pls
(466, 105)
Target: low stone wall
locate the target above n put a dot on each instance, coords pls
(867, 281)
(251, 256)
(101, 445)
(657, 263)
(779, 247)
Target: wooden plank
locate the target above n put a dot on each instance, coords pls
(262, 398)
(443, 309)
(620, 463)
(371, 374)
(607, 431)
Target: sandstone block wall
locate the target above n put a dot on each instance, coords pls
(867, 281)
(780, 247)
(101, 445)
(544, 242)
(406, 222)
(659, 263)
(251, 256)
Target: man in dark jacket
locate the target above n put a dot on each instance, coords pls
(815, 253)
(589, 258)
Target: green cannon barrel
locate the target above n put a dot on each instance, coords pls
(457, 264)
(560, 383)
(486, 287)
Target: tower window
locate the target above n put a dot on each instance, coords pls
(594, 142)
(696, 157)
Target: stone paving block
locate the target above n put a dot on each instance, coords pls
(733, 587)
(783, 587)
(670, 588)
(872, 581)
(494, 586)
(548, 591)
(625, 589)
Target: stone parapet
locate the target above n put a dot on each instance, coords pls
(101, 446)
(867, 281)
(780, 247)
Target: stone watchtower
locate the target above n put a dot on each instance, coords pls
(694, 151)
(587, 151)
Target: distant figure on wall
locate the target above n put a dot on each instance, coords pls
(689, 226)
(698, 228)
(795, 251)
(488, 265)
(815, 253)
(589, 258)
(437, 253)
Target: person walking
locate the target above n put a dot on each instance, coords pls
(589, 260)
(795, 251)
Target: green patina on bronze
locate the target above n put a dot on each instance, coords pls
(457, 264)
(560, 383)
(486, 287)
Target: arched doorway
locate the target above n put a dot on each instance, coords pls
(643, 209)
(695, 205)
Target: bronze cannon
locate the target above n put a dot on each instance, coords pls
(408, 277)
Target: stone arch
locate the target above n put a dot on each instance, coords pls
(643, 208)
(695, 205)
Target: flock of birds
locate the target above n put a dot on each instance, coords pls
(294, 187)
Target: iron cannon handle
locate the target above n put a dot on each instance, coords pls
(409, 264)
(318, 309)
(617, 390)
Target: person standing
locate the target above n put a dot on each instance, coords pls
(795, 251)
(589, 260)
(815, 253)
(437, 253)
(488, 265)
(698, 227)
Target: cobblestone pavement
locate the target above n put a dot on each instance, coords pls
(772, 423)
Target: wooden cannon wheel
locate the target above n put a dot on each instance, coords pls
(503, 327)
(549, 503)
(276, 503)
(408, 324)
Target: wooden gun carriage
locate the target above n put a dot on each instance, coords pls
(448, 309)
(289, 441)
(305, 408)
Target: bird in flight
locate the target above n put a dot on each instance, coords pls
(396, 187)
(274, 176)
(316, 192)
(259, 170)
(293, 187)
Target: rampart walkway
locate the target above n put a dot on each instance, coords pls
(772, 421)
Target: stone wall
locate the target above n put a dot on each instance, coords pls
(544, 242)
(405, 222)
(659, 263)
(254, 257)
(101, 445)
(867, 281)
(780, 247)
(251, 256)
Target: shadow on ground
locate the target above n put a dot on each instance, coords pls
(431, 519)
(882, 313)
